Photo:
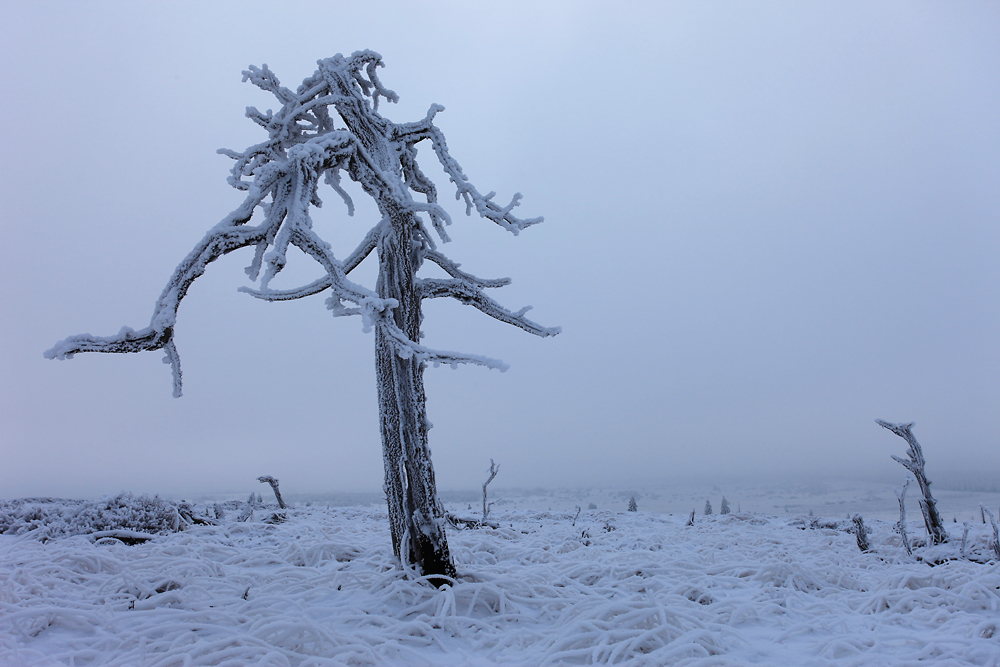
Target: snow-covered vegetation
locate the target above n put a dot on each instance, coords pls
(320, 586)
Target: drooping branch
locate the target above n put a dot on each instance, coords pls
(286, 221)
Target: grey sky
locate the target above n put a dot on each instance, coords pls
(767, 224)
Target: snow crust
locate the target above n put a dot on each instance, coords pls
(628, 588)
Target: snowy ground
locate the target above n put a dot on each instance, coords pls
(635, 588)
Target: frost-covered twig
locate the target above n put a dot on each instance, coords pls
(901, 525)
(915, 464)
(494, 469)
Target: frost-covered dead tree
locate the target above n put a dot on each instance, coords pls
(267, 479)
(326, 129)
(494, 469)
(915, 464)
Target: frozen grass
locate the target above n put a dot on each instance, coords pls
(618, 588)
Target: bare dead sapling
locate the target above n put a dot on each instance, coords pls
(248, 509)
(915, 464)
(995, 542)
(861, 532)
(267, 479)
(328, 128)
(494, 469)
(901, 526)
(690, 521)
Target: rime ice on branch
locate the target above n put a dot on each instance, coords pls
(328, 128)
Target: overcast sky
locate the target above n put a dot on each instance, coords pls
(767, 225)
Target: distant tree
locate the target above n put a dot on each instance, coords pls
(724, 509)
(915, 464)
(267, 479)
(690, 521)
(708, 507)
(632, 507)
(307, 145)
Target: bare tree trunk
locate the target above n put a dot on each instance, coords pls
(418, 537)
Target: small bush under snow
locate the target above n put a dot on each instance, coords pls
(48, 518)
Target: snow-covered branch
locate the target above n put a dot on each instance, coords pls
(451, 268)
(281, 177)
(471, 295)
(407, 348)
(290, 184)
